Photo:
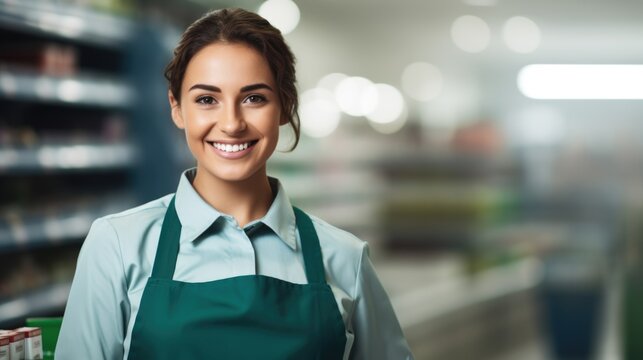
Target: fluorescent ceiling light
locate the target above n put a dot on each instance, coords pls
(581, 81)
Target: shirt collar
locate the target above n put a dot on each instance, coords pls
(280, 216)
(196, 215)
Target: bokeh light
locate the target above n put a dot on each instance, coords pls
(282, 14)
(470, 33)
(330, 81)
(319, 113)
(521, 34)
(422, 81)
(356, 96)
(389, 106)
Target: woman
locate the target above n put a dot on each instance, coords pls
(226, 268)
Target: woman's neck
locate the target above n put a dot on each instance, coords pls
(245, 200)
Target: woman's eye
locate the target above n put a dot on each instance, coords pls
(205, 100)
(255, 99)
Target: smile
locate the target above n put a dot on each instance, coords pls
(233, 148)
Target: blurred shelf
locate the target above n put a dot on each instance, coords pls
(65, 22)
(466, 316)
(325, 187)
(464, 165)
(84, 90)
(49, 158)
(425, 302)
(41, 301)
(428, 236)
(307, 157)
(65, 225)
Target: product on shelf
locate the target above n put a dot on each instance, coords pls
(48, 58)
(50, 327)
(16, 344)
(32, 342)
(4, 346)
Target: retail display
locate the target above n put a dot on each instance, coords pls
(16, 345)
(33, 342)
(69, 77)
(23, 343)
(5, 342)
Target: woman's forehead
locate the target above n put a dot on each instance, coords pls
(228, 63)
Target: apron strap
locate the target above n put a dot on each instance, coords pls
(168, 247)
(310, 248)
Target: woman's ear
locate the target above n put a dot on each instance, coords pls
(175, 109)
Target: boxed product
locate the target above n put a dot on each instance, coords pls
(16, 344)
(4, 346)
(33, 342)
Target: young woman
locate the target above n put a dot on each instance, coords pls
(226, 268)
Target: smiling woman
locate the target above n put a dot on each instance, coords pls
(226, 267)
(231, 116)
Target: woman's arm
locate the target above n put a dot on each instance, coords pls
(97, 311)
(377, 331)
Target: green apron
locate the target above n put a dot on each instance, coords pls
(245, 317)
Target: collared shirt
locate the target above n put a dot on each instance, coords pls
(117, 256)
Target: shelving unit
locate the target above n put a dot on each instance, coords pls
(79, 90)
(43, 301)
(441, 201)
(61, 158)
(73, 129)
(56, 20)
(69, 224)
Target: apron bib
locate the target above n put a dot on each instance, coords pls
(246, 317)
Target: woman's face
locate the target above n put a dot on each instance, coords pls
(230, 111)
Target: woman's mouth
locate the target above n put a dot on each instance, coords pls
(233, 148)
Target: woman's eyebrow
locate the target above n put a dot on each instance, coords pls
(255, 87)
(243, 89)
(205, 87)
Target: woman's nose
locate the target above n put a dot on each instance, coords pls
(232, 122)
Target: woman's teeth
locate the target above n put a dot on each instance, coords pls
(231, 148)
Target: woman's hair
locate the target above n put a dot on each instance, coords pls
(240, 26)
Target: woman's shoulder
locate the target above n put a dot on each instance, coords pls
(138, 218)
(335, 236)
(339, 247)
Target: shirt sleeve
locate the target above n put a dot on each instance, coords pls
(97, 310)
(377, 331)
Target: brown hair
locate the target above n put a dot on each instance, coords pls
(240, 26)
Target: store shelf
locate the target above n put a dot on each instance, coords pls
(424, 303)
(83, 90)
(67, 157)
(42, 301)
(68, 224)
(65, 22)
(459, 165)
(74, 125)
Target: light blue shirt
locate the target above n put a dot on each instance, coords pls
(117, 256)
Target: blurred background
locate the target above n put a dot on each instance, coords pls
(488, 150)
